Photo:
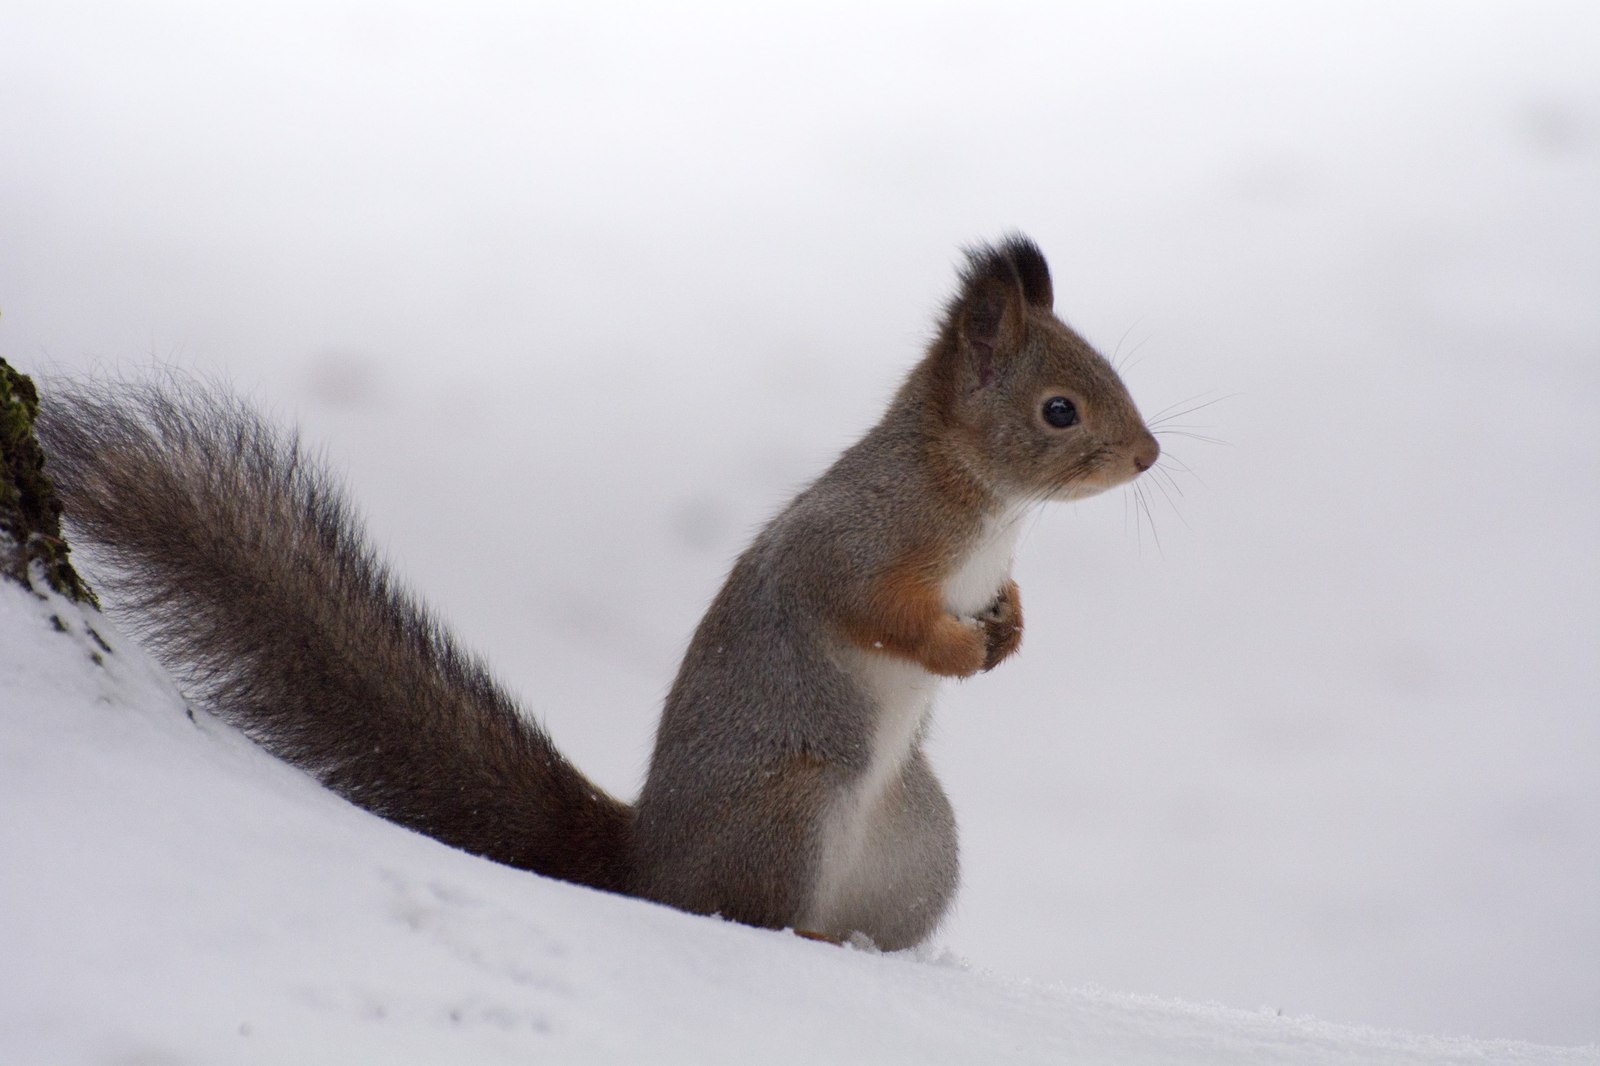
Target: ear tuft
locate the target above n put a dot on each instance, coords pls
(1032, 270)
(1014, 261)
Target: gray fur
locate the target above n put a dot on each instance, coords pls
(767, 683)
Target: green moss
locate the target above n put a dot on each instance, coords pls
(30, 510)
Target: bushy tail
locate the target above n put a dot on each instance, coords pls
(241, 562)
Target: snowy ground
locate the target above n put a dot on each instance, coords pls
(173, 895)
(576, 296)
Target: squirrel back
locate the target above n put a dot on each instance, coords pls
(788, 786)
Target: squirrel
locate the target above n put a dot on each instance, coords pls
(788, 787)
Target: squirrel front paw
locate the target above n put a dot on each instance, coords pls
(1002, 626)
(956, 648)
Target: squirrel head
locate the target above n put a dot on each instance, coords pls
(1031, 408)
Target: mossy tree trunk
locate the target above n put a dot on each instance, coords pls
(30, 511)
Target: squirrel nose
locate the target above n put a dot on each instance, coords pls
(1147, 454)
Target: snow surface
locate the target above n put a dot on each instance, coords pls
(174, 895)
(577, 295)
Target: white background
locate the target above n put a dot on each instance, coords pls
(576, 295)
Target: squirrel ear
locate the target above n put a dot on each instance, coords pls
(989, 315)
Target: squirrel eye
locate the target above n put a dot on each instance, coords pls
(1060, 412)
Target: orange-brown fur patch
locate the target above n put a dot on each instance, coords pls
(905, 615)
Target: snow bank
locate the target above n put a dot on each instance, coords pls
(170, 894)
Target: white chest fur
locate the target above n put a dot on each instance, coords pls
(857, 855)
(858, 850)
(972, 588)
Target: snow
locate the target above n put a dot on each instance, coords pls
(576, 296)
(174, 895)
